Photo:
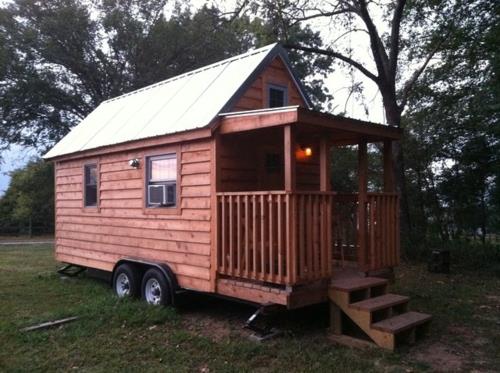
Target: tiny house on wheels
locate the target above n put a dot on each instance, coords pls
(218, 180)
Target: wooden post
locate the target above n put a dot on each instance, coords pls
(335, 318)
(289, 148)
(362, 190)
(215, 186)
(324, 165)
(388, 167)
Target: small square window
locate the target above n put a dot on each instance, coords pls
(277, 96)
(90, 185)
(161, 188)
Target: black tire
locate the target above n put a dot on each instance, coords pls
(126, 281)
(155, 288)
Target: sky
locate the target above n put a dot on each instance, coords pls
(338, 84)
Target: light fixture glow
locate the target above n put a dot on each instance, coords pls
(308, 152)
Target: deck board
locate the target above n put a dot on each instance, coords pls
(402, 322)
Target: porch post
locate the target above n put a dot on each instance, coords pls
(291, 209)
(324, 165)
(388, 167)
(362, 190)
(289, 158)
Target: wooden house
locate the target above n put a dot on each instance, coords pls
(218, 180)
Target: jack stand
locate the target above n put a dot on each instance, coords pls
(264, 332)
(71, 270)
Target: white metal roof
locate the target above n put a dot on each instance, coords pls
(185, 102)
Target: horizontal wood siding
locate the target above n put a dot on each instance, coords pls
(243, 161)
(256, 95)
(121, 227)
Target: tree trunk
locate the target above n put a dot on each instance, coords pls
(393, 116)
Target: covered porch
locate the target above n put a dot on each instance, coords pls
(278, 220)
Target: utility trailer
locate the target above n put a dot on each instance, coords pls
(218, 180)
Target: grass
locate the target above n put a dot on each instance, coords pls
(204, 333)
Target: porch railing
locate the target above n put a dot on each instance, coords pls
(291, 238)
(277, 237)
(382, 216)
(379, 248)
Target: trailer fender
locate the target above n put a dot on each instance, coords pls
(162, 267)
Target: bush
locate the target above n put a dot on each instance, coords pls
(464, 255)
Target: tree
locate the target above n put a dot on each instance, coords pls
(403, 38)
(60, 58)
(28, 202)
(453, 122)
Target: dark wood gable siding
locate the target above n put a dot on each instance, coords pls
(256, 96)
(120, 227)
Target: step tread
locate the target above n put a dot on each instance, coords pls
(402, 322)
(380, 302)
(357, 283)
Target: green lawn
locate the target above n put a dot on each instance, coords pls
(204, 334)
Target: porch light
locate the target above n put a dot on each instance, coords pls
(134, 163)
(303, 152)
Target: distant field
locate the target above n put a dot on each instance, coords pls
(204, 334)
(4, 238)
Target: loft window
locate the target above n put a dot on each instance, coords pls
(90, 190)
(161, 181)
(277, 96)
(273, 163)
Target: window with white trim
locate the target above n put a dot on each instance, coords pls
(161, 182)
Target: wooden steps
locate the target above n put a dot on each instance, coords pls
(357, 283)
(381, 316)
(380, 302)
(402, 322)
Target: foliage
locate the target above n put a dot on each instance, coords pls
(59, 59)
(453, 137)
(438, 60)
(28, 203)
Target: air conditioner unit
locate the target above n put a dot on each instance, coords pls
(170, 195)
(156, 195)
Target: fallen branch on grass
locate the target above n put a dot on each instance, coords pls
(49, 324)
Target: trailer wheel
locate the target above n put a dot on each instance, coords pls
(155, 288)
(126, 280)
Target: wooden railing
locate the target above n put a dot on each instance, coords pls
(382, 215)
(379, 248)
(290, 238)
(313, 221)
(276, 237)
(345, 229)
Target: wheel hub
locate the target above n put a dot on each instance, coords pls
(153, 291)
(122, 285)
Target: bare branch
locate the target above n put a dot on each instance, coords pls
(319, 15)
(336, 55)
(377, 47)
(411, 82)
(347, 33)
(236, 12)
(394, 47)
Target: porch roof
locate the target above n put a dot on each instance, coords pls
(340, 130)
